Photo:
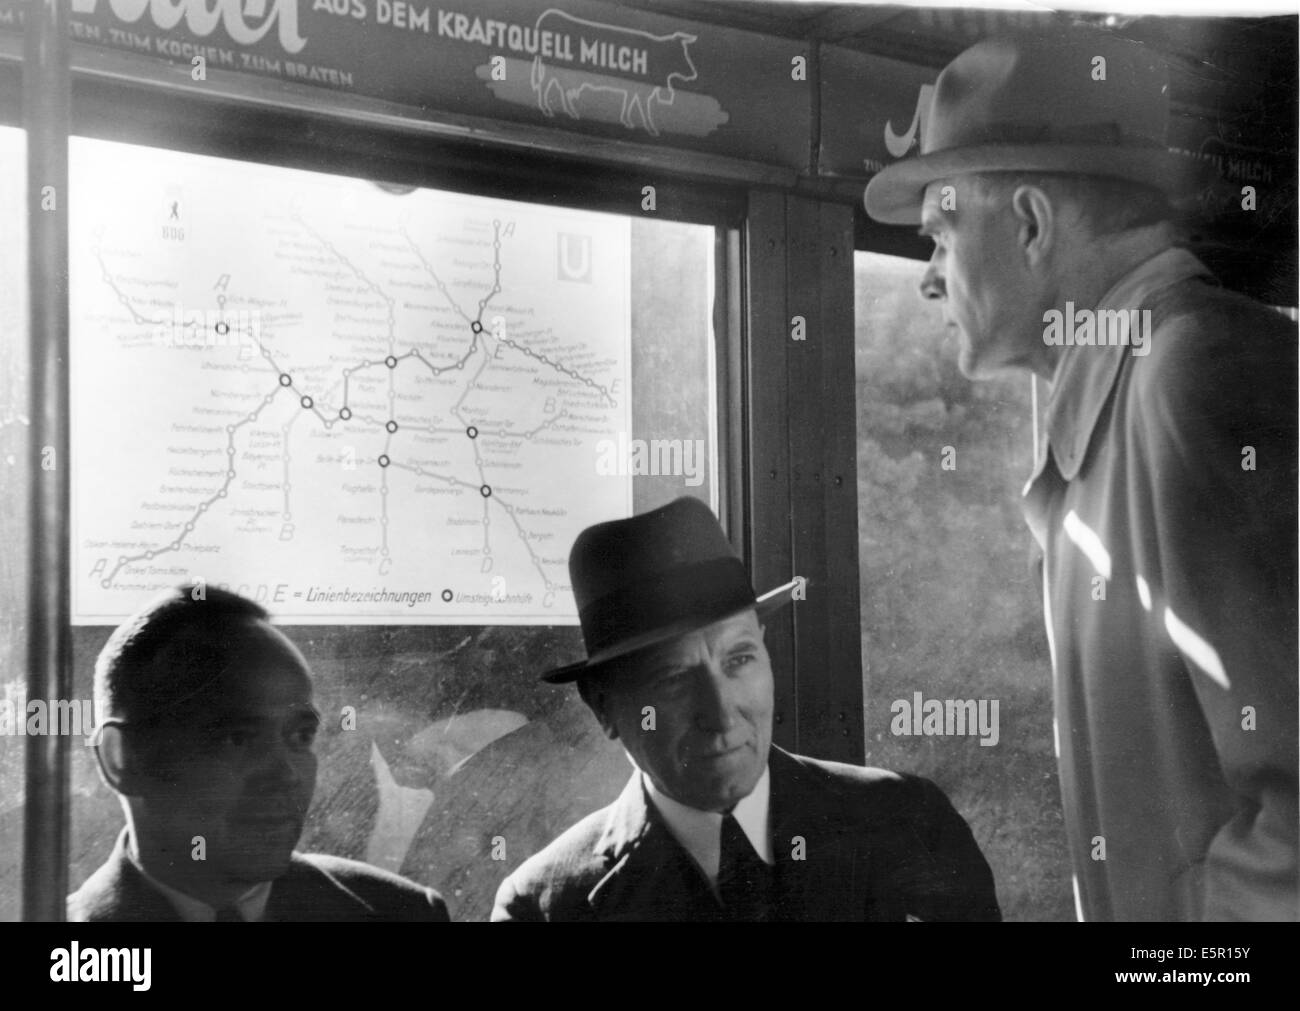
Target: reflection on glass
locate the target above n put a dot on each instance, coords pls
(385, 416)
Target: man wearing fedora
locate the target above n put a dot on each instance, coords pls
(717, 824)
(1164, 497)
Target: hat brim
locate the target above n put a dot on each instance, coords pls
(895, 194)
(768, 602)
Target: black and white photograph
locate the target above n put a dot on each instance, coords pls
(654, 461)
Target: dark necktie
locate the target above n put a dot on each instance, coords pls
(228, 914)
(744, 881)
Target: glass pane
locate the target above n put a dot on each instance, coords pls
(386, 414)
(14, 489)
(950, 606)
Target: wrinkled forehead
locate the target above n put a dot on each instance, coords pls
(939, 200)
(696, 646)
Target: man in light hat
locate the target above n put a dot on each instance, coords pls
(717, 824)
(1164, 500)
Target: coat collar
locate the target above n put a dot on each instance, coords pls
(118, 891)
(644, 863)
(1085, 376)
(634, 846)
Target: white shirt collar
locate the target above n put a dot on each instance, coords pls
(251, 905)
(700, 832)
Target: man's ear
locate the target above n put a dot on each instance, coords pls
(1037, 220)
(593, 690)
(119, 762)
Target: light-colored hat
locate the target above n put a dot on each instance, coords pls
(1071, 100)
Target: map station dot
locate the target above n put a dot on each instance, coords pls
(485, 491)
(447, 595)
(345, 413)
(391, 362)
(286, 379)
(476, 326)
(472, 432)
(306, 402)
(383, 460)
(391, 426)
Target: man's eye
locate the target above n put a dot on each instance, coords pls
(304, 737)
(741, 659)
(233, 738)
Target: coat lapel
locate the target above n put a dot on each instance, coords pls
(118, 892)
(306, 894)
(821, 866)
(649, 875)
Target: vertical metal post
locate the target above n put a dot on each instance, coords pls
(46, 111)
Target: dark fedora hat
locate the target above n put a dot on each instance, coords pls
(649, 578)
(1039, 103)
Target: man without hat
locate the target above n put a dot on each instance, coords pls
(1164, 500)
(206, 732)
(716, 823)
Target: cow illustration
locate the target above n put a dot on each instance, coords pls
(666, 57)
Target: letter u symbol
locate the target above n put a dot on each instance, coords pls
(575, 263)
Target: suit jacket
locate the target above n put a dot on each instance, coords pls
(850, 843)
(315, 888)
(1165, 504)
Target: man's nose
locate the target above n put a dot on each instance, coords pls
(283, 766)
(715, 711)
(932, 283)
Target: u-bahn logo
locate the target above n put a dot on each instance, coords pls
(245, 21)
(573, 257)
